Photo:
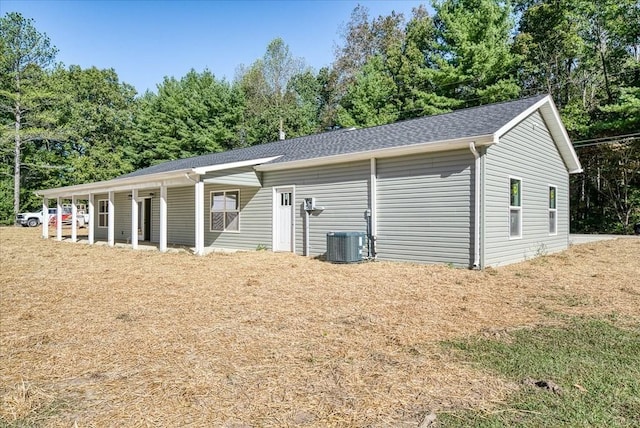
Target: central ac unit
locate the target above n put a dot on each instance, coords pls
(345, 247)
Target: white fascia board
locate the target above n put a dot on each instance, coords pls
(551, 115)
(519, 118)
(434, 146)
(170, 178)
(118, 184)
(557, 130)
(240, 164)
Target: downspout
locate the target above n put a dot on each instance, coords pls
(307, 246)
(373, 205)
(476, 209)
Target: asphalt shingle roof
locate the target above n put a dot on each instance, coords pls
(470, 122)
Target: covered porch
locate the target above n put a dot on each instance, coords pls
(124, 205)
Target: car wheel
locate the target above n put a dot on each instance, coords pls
(32, 222)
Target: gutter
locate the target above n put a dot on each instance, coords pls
(433, 146)
(476, 209)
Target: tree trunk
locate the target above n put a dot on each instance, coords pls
(16, 171)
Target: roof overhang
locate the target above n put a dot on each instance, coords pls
(557, 130)
(432, 146)
(177, 178)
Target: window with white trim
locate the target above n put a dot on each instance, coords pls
(103, 213)
(515, 208)
(553, 211)
(225, 211)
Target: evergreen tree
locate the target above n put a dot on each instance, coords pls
(24, 54)
(195, 115)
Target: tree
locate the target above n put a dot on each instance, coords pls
(369, 100)
(195, 115)
(94, 119)
(473, 56)
(277, 91)
(606, 196)
(24, 53)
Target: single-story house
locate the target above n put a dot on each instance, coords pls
(482, 186)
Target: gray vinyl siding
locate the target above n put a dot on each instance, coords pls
(245, 177)
(529, 153)
(343, 191)
(122, 224)
(155, 216)
(255, 219)
(424, 208)
(181, 215)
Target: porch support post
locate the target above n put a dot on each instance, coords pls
(74, 219)
(45, 218)
(92, 222)
(134, 219)
(111, 220)
(163, 218)
(59, 219)
(199, 218)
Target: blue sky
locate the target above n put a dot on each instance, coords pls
(147, 40)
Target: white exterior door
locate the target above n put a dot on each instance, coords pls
(283, 219)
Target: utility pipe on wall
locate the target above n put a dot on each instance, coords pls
(307, 247)
(476, 209)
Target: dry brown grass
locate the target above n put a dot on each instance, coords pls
(113, 337)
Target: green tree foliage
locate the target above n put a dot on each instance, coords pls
(94, 123)
(460, 57)
(71, 125)
(24, 55)
(586, 54)
(369, 101)
(192, 116)
(281, 96)
(328, 97)
(473, 56)
(606, 197)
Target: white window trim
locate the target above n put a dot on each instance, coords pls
(225, 230)
(520, 208)
(105, 213)
(553, 209)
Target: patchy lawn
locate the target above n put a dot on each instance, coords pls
(114, 337)
(585, 373)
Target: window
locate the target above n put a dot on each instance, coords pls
(553, 211)
(103, 213)
(515, 208)
(225, 212)
(285, 199)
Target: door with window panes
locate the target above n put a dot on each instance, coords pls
(283, 221)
